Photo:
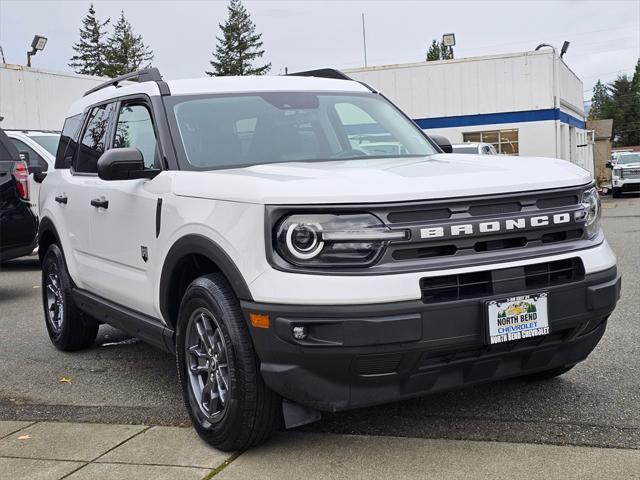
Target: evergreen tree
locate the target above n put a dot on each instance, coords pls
(600, 102)
(439, 51)
(89, 58)
(126, 52)
(434, 51)
(619, 100)
(624, 102)
(633, 126)
(239, 45)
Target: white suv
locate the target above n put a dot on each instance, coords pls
(243, 224)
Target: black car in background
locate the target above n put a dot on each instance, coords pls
(18, 224)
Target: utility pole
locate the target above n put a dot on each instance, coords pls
(364, 41)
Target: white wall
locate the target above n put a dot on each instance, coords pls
(468, 86)
(536, 139)
(38, 99)
(570, 90)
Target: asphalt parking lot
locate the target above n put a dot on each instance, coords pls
(122, 380)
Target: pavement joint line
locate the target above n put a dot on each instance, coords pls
(85, 462)
(31, 423)
(74, 471)
(147, 427)
(521, 420)
(223, 465)
(43, 459)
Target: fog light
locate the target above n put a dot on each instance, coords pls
(300, 333)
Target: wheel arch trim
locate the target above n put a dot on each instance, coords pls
(198, 244)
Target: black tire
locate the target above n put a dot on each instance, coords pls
(547, 374)
(69, 329)
(616, 192)
(249, 412)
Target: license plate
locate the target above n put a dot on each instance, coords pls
(517, 318)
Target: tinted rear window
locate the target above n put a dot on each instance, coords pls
(68, 141)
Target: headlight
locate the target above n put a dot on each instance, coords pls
(325, 240)
(593, 208)
(617, 172)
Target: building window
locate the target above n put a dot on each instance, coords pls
(505, 141)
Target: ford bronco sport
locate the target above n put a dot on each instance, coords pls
(245, 225)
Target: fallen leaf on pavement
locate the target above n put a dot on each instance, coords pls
(24, 437)
(65, 380)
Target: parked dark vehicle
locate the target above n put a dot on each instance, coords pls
(18, 224)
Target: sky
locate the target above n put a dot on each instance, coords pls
(306, 34)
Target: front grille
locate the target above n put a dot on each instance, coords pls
(630, 173)
(445, 214)
(501, 281)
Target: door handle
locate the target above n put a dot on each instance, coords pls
(61, 199)
(100, 203)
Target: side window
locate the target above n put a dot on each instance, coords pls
(68, 141)
(94, 138)
(34, 157)
(135, 130)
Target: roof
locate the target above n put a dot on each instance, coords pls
(222, 85)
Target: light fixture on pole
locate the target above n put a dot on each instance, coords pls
(449, 40)
(38, 43)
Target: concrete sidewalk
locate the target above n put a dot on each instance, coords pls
(47, 450)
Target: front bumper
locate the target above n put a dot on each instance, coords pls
(359, 355)
(626, 184)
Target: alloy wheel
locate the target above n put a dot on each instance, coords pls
(207, 363)
(55, 300)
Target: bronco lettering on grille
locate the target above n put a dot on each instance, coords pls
(502, 225)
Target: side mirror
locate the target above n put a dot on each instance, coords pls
(39, 177)
(442, 142)
(123, 164)
(609, 165)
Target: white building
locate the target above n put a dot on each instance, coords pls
(527, 103)
(34, 99)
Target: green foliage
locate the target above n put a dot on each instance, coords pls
(122, 52)
(433, 53)
(239, 46)
(439, 51)
(126, 52)
(619, 100)
(90, 58)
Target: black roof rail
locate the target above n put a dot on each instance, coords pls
(330, 73)
(145, 75)
(323, 73)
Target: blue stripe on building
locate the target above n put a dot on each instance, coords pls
(502, 117)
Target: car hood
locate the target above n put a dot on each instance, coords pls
(627, 165)
(381, 180)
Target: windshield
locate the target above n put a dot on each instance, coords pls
(233, 131)
(629, 158)
(48, 142)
